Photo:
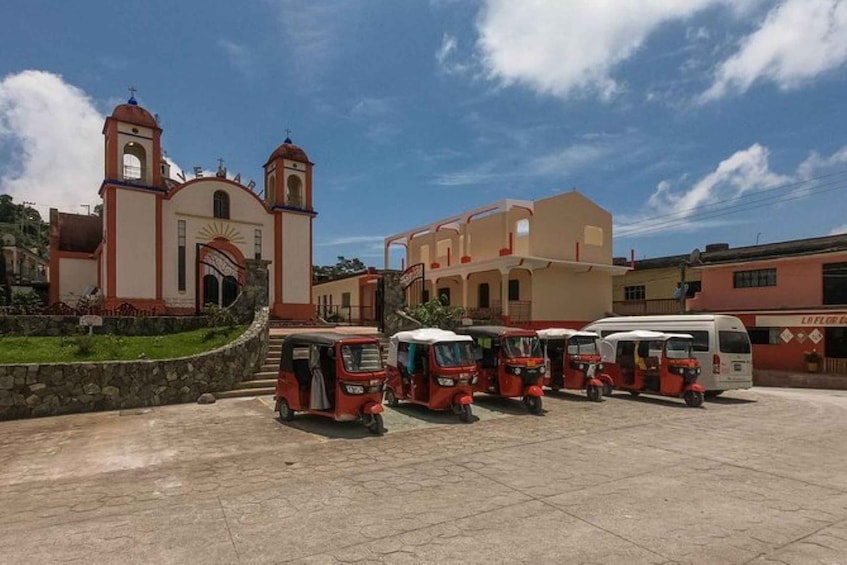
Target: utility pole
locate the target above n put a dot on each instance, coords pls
(682, 292)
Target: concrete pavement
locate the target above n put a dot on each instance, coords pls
(757, 476)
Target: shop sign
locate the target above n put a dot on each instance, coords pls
(802, 320)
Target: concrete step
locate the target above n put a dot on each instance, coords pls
(242, 392)
(263, 375)
(270, 366)
(258, 383)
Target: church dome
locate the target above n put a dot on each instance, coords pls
(289, 151)
(132, 113)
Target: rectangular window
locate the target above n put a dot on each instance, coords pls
(693, 288)
(753, 279)
(257, 244)
(764, 336)
(633, 292)
(345, 300)
(733, 342)
(514, 290)
(180, 269)
(835, 283)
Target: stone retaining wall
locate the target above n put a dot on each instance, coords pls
(63, 388)
(799, 380)
(119, 325)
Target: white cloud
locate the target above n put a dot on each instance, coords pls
(446, 57)
(743, 173)
(798, 41)
(571, 48)
(239, 57)
(570, 158)
(54, 131)
(351, 239)
(838, 230)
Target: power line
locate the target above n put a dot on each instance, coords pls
(661, 223)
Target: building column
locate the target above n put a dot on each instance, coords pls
(387, 256)
(504, 292)
(465, 278)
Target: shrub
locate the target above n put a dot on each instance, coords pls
(436, 314)
(812, 356)
(26, 302)
(219, 317)
(84, 344)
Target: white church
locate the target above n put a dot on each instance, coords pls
(167, 245)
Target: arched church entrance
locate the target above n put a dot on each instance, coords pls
(221, 268)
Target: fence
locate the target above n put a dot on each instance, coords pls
(834, 365)
(347, 314)
(646, 307)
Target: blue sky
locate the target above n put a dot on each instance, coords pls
(693, 122)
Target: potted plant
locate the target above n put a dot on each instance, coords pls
(813, 360)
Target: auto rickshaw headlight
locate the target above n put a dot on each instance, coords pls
(542, 370)
(599, 366)
(354, 389)
(518, 370)
(445, 381)
(474, 379)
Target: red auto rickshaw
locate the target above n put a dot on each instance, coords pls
(333, 375)
(432, 367)
(510, 363)
(573, 361)
(654, 362)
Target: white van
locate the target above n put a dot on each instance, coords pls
(721, 344)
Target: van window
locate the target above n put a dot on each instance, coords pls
(701, 338)
(733, 342)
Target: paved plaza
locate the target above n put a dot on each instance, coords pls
(756, 477)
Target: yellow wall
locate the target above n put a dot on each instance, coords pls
(335, 289)
(561, 294)
(559, 223)
(658, 283)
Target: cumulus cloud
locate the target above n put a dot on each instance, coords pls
(743, 173)
(52, 131)
(798, 41)
(571, 48)
(838, 230)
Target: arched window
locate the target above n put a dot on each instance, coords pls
(294, 192)
(221, 204)
(134, 162)
(271, 191)
(211, 291)
(229, 291)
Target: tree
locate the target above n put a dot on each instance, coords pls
(24, 222)
(437, 314)
(343, 267)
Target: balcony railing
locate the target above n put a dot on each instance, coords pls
(835, 366)
(646, 307)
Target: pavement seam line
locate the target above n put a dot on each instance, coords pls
(228, 530)
(801, 538)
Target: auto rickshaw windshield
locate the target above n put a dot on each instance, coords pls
(679, 348)
(525, 346)
(454, 354)
(582, 345)
(361, 358)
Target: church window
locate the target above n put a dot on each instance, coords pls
(180, 255)
(257, 244)
(221, 204)
(294, 192)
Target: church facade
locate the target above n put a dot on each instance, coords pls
(170, 245)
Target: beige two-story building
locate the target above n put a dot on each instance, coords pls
(537, 263)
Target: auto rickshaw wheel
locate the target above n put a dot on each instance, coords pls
(285, 412)
(391, 398)
(595, 393)
(693, 398)
(465, 412)
(533, 403)
(374, 424)
(607, 389)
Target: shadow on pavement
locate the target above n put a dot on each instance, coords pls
(421, 412)
(668, 401)
(728, 400)
(510, 406)
(327, 427)
(570, 395)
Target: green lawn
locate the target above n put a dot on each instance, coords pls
(111, 348)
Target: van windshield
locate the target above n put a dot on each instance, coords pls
(582, 345)
(734, 342)
(677, 348)
(454, 354)
(361, 358)
(517, 347)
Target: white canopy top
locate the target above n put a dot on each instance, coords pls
(429, 336)
(553, 333)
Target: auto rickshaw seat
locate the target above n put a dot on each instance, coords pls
(302, 373)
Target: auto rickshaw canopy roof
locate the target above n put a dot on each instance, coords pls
(609, 344)
(494, 331)
(324, 338)
(564, 333)
(429, 336)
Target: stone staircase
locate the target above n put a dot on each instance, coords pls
(262, 382)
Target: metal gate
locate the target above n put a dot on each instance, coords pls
(218, 279)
